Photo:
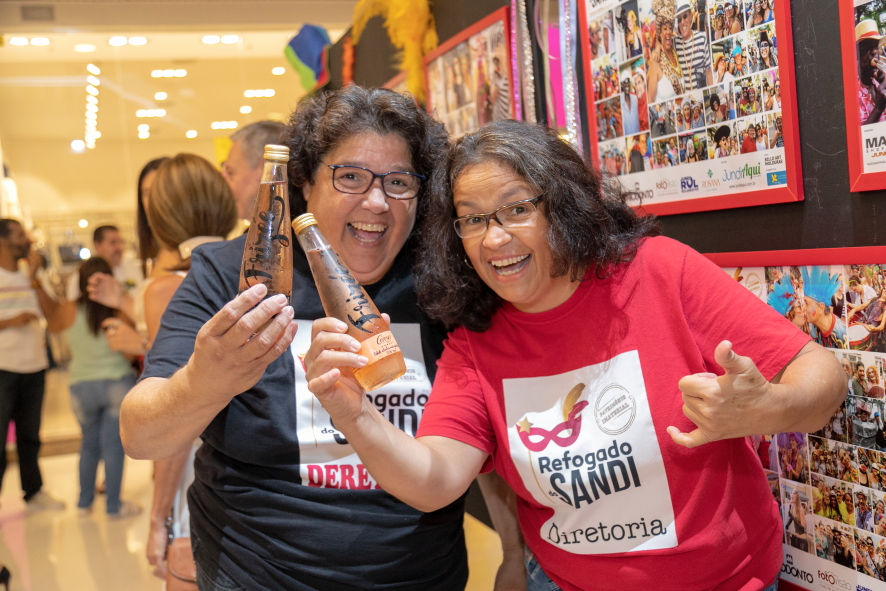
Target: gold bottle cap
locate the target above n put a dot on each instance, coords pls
(275, 152)
(302, 222)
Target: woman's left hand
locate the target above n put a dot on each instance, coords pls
(723, 407)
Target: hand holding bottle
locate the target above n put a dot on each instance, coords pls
(227, 358)
(329, 365)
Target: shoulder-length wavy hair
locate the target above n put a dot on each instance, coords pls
(147, 244)
(95, 313)
(590, 224)
(189, 198)
(321, 122)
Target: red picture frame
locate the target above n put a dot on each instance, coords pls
(462, 119)
(859, 180)
(790, 191)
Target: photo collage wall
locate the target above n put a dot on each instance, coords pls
(687, 96)
(831, 485)
(469, 85)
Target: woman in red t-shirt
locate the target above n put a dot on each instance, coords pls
(589, 367)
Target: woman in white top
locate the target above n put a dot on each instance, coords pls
(721, 73)
(189, 204)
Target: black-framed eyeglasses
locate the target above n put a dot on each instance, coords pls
(516, 214)
(356, 180)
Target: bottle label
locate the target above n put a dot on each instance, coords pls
(379, 346)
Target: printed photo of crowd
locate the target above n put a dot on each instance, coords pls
(831, 485)
(667, 67)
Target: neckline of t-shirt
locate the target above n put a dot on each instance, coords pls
(585, 287)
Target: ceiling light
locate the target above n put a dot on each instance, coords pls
(156, 73)
(91, 99)
(78, 146)
(169, 73)
(249, 93)
(229, 39)
(93, 80)
(117, 41)
(150, 113)
(39, 41)
(143, 135)
(191, 134)
(84, 252)
(18, 41)
(278, 71)
(211, 39)
(138, 41)
(83, 223)
(180, 73)
(245, 109)
(84, 48)
(91, 107)
(91, 89)
(223, 124)
(160, 96)
(91, 115)
(93, 69)
(90, 126)
(144, 127)
(269, 92)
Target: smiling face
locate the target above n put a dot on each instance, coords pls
(366, 230)
(666, 34)
(514, 262)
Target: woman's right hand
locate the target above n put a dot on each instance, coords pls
(329, 363)
(104, 289)
(158, 538)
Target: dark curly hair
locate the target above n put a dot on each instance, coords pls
(321, 122)
(590, 222)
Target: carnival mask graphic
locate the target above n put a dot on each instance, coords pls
(571, 422)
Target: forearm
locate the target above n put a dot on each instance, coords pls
(427, 473)
(50, 308)
(160, 417)
(501, 501)
(127, 307)
(808, 392)
(167, 477)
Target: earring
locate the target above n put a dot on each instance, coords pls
(468, 263)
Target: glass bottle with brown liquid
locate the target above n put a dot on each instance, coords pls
(267, 256)
(344, 298)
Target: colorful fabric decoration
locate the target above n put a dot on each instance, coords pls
(347, 61)
(307, 53)
(411, 29)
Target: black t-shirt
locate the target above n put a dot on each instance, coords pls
(277, 512)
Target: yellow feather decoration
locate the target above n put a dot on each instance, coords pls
(571, 399)
(411, 29)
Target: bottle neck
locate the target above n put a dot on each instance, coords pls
(311, 239)
(274, 171)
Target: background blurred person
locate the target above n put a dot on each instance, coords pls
(23, 359)
(99, 379)
(190, 204)
(243, 166)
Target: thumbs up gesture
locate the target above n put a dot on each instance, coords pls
(723, 407)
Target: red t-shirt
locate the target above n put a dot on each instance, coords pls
(572, 404)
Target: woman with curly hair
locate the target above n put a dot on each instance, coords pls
(665, 76)
(280, 500)
(587, 364)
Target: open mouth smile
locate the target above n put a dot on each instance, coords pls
(510, 266)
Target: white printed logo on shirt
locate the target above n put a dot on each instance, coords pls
(327, 459)
(584, 444)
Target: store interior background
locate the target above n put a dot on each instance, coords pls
(42, 102)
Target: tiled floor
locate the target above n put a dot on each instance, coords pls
(62, 551)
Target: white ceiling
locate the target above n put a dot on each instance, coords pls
(43, 89)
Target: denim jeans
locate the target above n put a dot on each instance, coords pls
(97, 408)
(537, 580)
